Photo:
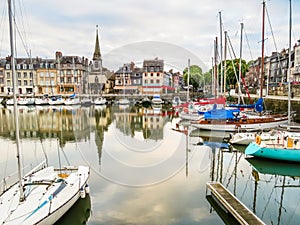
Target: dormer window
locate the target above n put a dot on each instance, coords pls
(7, 66)
(24, 66)
(18, 66)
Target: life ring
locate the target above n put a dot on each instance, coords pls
(258, 139)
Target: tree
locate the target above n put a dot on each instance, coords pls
(196, 76)
(232, 67)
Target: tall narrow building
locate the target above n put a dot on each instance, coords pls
(97, 78)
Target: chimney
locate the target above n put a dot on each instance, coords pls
(58, 55)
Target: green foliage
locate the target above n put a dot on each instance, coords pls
(232, 68)
(196, 76)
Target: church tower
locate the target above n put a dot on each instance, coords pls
(97, 59)
(97, 74)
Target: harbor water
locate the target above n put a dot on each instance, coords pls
(145, 169)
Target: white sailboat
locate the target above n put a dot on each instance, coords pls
(44, 194)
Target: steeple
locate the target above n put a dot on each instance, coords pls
(97, 54)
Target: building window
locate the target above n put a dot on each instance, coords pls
(7, 66)
(18, 66)
(25, 82)
(31, 83)
(157, 81)
(151, 74)
(19, 75)
(61, 80)
(24, 66)
(19, 82)
(151, 81)
(25, 74)
(30, 66)
(8, 75)
(96, 80)
(69, 80)
(157, 74)
(31, 74)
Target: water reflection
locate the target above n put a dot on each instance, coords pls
(78, 214)
(143, 171)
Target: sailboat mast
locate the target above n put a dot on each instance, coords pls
(225, 58)
(11, 34)
(262, 52)
(221, 54)
(289, 67)
(188, 83)
(240, 64)
(216, 68)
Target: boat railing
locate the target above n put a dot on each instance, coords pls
(12, 179)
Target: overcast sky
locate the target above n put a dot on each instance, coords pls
(131, 28)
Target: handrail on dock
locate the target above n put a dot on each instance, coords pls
(242, 214)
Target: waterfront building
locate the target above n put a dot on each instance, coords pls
(153, 76)
(72, 70)
(296, 69)
(25, 75)
(2, 77)
(136, 80)
(123, 79)
(168, 82)
(46, 77)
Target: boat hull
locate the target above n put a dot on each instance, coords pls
(48, 196)
(276, 152)
(234, 126)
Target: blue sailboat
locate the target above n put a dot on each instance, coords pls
(288, 151)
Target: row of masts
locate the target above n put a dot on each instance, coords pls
(222, 88)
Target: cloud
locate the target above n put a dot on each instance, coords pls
(192, 25)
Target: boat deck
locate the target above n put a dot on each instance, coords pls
(242, 214)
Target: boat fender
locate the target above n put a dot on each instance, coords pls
(82, 192)
(87, 189)
(258, 139)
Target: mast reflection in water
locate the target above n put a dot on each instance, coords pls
(143, 171)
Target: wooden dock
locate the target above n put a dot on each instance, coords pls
(242, 214)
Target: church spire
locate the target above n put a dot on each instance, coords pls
(97, 54)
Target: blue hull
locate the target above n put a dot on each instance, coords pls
(282, 153)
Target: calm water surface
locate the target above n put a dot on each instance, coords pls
(143, 171)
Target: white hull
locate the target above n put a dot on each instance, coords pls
(72, 101)
(190, 116)
(48, 196)
(56, 102)
(41, 101)
(241, 126)
(124, 101)
(248, 137)
(100, 101)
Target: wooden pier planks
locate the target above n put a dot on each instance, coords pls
(233, 205)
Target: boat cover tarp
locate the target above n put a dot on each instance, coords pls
(258, 106)
(221, 114)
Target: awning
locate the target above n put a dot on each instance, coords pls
(126, 88)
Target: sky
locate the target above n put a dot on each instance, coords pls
(134, 30)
